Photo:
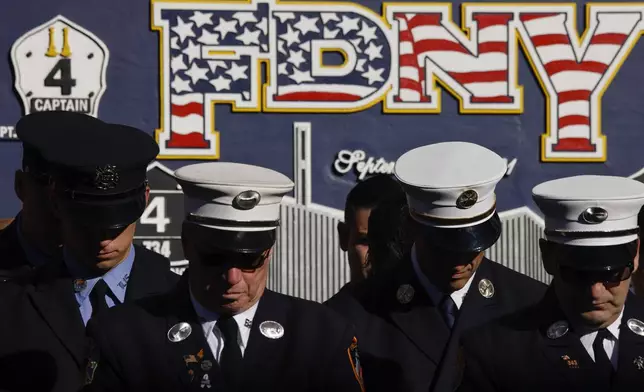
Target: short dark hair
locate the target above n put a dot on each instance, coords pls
(370, 193)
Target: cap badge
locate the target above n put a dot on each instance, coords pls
(639, 362)
(271, 329)
(467, 199)
(107, 177)
(557, 329)
(486, 288)
(594, 215)
(246, 200)
(636, 326)
(179, 332)
(405, 293)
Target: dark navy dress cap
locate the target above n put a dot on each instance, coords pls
(99, 169)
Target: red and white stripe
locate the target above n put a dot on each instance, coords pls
(323, 92)
(411, 80)
(187, 121)
(574, 81)
(484, 76)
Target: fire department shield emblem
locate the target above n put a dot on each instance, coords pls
(59, 66)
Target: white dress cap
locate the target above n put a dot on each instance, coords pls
(590, 210)
(233, 196)
(450, 184)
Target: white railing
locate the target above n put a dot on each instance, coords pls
(518, 246)
(307, 260)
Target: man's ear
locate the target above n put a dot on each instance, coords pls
(547, 257)
(19, 184)
(343, 235)
(636, 260)
(147, 194)
(269, 254)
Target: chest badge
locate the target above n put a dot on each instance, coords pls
(636, 326)
(486, 288)
(405, 293)
(271, 329)
(639, 362)
(558, 329)
(179, 332)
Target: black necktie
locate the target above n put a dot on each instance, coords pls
(97, 297)
(231, 356)
(448, 310)
(601, 358)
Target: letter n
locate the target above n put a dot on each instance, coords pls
(479, 69)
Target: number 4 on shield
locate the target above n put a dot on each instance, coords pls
(63, 66)
(160, 220)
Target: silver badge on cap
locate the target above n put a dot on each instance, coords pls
(405, 293)
(467, 199)
(106, 177)
(271, 329)
(486, 288)
(179, 332)
(636, 326)
(557, 329)
(639, 362)
(594, 215)
(247, 200)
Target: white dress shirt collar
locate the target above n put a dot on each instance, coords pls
(208, 320)
(610, 345)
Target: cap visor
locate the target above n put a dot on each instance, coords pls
(232, 241)
(465, 239)
(110, 213)
(596, 258)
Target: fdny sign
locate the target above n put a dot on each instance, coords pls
(214, 52)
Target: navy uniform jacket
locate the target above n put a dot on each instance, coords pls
(314, 354)
(43, 346)
(12, 256)
(515, 354)
(407, 347)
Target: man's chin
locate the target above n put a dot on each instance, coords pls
(231, 307)
(458, 283)
(106, 261)
(596, 317)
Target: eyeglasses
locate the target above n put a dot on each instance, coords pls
(244, 261)
(576, 276)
